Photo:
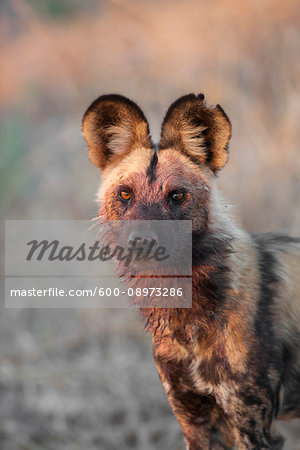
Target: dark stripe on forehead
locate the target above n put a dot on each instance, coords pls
(152, 167)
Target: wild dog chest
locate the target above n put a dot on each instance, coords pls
(185, 368)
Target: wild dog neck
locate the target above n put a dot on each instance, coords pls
(211, 280)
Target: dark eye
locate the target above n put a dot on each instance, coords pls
(125, 196)
(177, 196)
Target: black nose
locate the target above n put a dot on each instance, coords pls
(142, 237)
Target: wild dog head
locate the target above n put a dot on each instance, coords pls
(169, 181)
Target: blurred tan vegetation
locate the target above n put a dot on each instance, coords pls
(79, 380)
(243, 55)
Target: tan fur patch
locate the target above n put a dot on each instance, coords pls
(136, 161)
(170, 349)
(119, 138)
(194, 141)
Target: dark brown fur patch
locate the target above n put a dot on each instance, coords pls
(152, 167)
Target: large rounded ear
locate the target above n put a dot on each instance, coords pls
(200, 131)
(112, 126)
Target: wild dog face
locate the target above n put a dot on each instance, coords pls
(169, 182)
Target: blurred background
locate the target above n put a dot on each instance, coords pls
(74, 380)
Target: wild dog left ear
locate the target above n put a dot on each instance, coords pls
(199, 131)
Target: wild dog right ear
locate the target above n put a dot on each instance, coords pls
(112, 126)
(201, 132)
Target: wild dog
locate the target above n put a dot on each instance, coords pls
(230, 365)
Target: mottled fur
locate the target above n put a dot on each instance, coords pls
(230, 365)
